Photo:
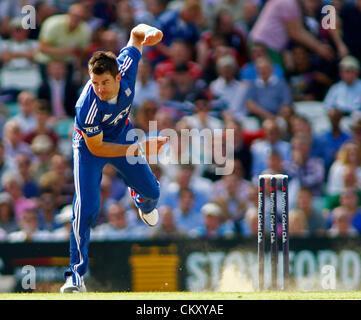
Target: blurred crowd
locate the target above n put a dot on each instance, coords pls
(259, 67)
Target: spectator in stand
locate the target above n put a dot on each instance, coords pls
(164, 121)
(303, 169)
(106, 199)
(262, 148)
(187, 88)
(348, 203)
(5, 167)
(44, 122)
(167, 229)
(249, 71)
(167, 90)
(281, 21)
(350, 180)
(64, 37)
(7, 217)
(243, 12)
(62, 166)
(118, 188)
(316, 223)
(25, 117)
(249, 225)
(187, 216)
(3, 235)
(18, 71)
(275, 163)
(209, 51)
(115, 227)
(267, 95)
(350, 15)
(201, 118)
(12, 184)
(301, 125)
(125, 21)
(241, 151)
(94, 45)
(307, 81)
(345, 95)
(243, 185)
(230, 34)
(181, 52)
(349, 154)
(48, 209)
(146, 113)
(146, 87)
(29, 226)
(93, 22)
(13, 144)
(356, 130)
(329, 142)
(297, 224)
(105, 10)
(30, 185)
(231, 200)
(177, 24)
(59, 90)
(52, 182)
(154, 9)
(187, 178)
(342, 224)
(109, 41)
(213, 227)
(228, 88)
(42, 147)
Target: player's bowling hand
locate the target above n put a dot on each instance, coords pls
(153, 146)
(152, 37)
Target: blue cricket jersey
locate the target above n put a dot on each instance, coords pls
(94, 115)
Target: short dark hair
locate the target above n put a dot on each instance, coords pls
(103, 61)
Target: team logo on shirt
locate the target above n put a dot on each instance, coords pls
(91, 129)
(106, 117)
(128, 92)
(120, 115)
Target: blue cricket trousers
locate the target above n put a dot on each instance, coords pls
(86, 204)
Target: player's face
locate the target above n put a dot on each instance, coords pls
(105, 85)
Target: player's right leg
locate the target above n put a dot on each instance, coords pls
(87, 179)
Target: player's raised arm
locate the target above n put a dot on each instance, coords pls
(144, 35)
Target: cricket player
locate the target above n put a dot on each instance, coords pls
(102, 136)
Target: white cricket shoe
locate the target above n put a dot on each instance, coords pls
(69, 287)
(150, 218)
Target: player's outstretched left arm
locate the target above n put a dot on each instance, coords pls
(144, 35)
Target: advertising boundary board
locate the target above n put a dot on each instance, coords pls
(186, 265)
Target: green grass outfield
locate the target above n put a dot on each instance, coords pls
(325, 295)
